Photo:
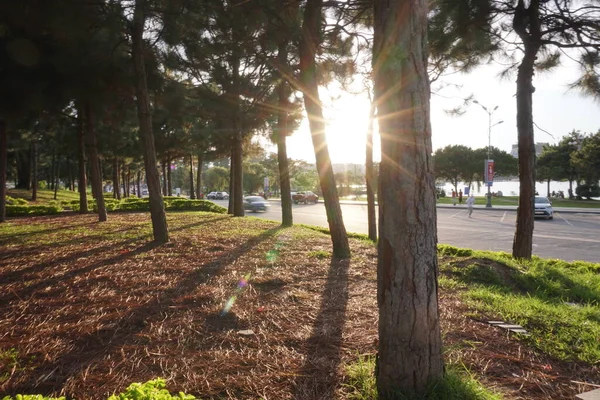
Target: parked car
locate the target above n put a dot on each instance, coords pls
(305, 197)
(222, 196)
(255, 204)
(211, 196)
(543, 208)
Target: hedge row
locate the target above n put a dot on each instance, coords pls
(171, 204)
(151, 390)
(25, 210)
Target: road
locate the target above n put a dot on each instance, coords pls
(570, 236)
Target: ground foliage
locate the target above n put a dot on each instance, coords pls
(88, 308)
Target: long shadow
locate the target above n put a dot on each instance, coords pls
(96, 345)
(319, 374)
(10, 277)
(8, 239)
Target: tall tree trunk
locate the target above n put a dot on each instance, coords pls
(116, 184)
(23, 169)
(237, 150)
(3, 167)
(82, 181)
(309, 43)
(410, 345)
(124, 180)
(57, 177)
(231, 185)
(157, 208)
(71, 175)
(129, 181)
(164, 174)
(526, 24)
(139, 184)
(369, 176)
(199, 177)
(169, 180)
(96, 175)
(283, 92)
(192, 191)
(34, 174)
(548, 190)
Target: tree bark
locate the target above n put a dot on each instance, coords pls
(34, 173)
(116, 183)
(157, 208)
(169, 180)
(23, 170)
(199, 177)
(3, 167)
(283, 92)
(311, 32)
(231, 187)
(94, 160)
(139, 184)
(237, 151)
(192, 191)
(124, 180)
(410, 345)
(526, 24)
(164, 174)
(369, 176)
(82, 181)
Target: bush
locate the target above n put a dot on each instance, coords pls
(588, 191)
(446, 250)
(16, 201)
(197, 205)
(130, 204)
(26, 210)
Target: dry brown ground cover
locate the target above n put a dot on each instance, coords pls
(88, 308)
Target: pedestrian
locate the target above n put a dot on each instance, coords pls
(453, 198)
(460, 196)
(470, 202)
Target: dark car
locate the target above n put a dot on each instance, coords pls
(211, 195)
(255, 204)
(305, 197)
(222, 196)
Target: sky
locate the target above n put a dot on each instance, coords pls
(557, 110)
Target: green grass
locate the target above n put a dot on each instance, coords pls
(557, 302)
(457, 384)
(44, 196)
(514, 201)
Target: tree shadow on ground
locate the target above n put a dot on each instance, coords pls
(92, 347)
(319, 377)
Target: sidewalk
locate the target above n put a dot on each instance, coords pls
(565, 210)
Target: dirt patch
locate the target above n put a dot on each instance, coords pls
(244, 316)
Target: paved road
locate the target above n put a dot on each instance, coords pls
(570, 236)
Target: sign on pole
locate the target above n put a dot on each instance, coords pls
(489, 172)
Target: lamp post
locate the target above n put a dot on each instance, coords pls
(490, 126)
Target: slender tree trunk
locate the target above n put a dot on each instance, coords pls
(116, 184)
(410, 345)
(94, 160)
(157, 208)
(169, 180)
(34, 174)
(71, 175)
(3, 167)
(129, 181)
(370, 176)
(57, 177)
(548, 188)
(237, 151)
(199, 177)
(283, 92)
(231, 185)
(192, 191)
(309, 43)
(124, 180)
(139, 184)
(164, 174)
(52, 170)
(82, 181)
(526, 24)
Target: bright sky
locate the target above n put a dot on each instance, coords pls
(557, 110)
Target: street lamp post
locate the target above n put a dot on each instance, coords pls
(490, 126)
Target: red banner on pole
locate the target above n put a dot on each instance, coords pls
(489, 172)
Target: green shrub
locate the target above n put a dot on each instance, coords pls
(26, 210)
(180, 204)
(132, 200)
(137, 205)
(16, 201)
(588, 191)
(446, 250)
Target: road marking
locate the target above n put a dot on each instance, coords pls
(503, 216)
(458, 213)
(564, 219)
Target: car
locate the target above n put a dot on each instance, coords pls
(305, 197)
(222, 196)
(211, 196)
(255, 203)
(543, 208)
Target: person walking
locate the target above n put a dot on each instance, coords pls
(460, 194)
(453, 198)
(470, 203)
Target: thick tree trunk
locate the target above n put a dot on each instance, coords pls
(82, 181)
(192, 191)
(23, 169)
(157, 208)
(34, 174)
(96, 175)
(526, 24)
(199, 177)
(311, 32)
(3, 167)
(231, 186)
(369, 177)
(237, 151)
(116, 184)
(169, 180)
(410, 345)
(283, 92)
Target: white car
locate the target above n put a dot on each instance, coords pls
(543, 208)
